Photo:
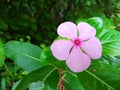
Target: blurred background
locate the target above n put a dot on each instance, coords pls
(36, 20)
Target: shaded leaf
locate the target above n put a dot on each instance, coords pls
(15, 85)
(39, 75)
(72, 82)
(51, 83)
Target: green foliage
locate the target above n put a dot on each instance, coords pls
(109, 37)
(110, 40)
(72, 82)
(3, 84)
(24, 54)
(96, 22)
(112, 60)
(35, 21)
(103, 77)
(2, 54)
(38, 18)
(3, 25)
(36, 86)
(100, 76)
(40, 74)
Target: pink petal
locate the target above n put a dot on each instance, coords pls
(67, 29)
(86, 31)
(77, 60)
(61, 49)
(92, 48)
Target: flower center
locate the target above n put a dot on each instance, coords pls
(77, 42)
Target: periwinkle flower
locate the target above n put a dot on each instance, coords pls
(81, 46)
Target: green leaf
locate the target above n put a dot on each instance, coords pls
(72, 82)
(38, 75)
(51, 82)
(96, 22)
(3, 84)
(100, 76)
(110, 40)
(15, 85)
(2, 54)
(46, 57)
(24, 54)
(111, 60)
(36, 86)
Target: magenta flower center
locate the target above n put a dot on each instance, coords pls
(77, 42)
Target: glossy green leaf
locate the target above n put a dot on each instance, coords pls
(24, 54)
(38, 75)
(111, 60)
(2, 54)
(110, 40)
(96, 22)
(46, 57)
(100, 76)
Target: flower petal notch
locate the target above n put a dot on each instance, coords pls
(80, 48)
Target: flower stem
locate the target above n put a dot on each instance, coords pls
(61, 80)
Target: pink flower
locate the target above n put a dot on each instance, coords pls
(81, 46)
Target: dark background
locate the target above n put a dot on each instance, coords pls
(36, 20)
